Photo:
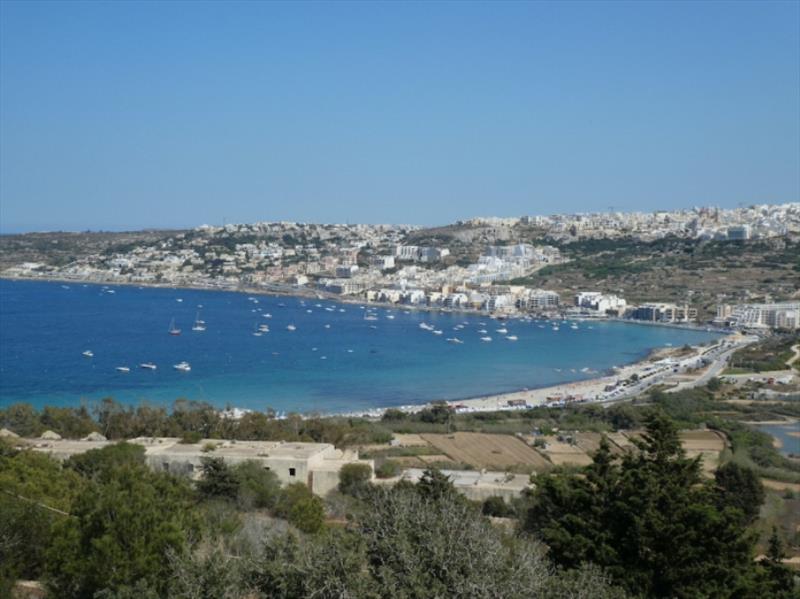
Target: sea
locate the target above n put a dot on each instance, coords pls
(340, 357)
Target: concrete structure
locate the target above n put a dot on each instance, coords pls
(600, 302)
(783, 315)
(314, 464)
(661, 312)
(477, 485)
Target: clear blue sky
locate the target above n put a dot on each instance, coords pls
(127, 115)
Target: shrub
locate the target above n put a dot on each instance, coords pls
(353, 478)
(388, 469)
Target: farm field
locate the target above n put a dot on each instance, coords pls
(483, 450)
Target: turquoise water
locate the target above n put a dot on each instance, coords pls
(352, 364)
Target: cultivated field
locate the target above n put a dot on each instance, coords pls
(488, 451)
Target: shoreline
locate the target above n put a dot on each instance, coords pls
(580, 390)
(306, 292)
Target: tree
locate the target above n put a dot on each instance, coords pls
(217, 480)
(22, 419)
(497, 507)
(353, 478)
(648, 519)
(95, 462)
(301, 507)
(257, 487)
(433, 484)
(739, 487)
(123, 528)
(36, 493)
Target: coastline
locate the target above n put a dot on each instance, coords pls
(285, 290)
(581, 390)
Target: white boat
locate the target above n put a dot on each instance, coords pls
(502, 331)
(182, 366)
(88, 353)
(425, 326)
(173, 330)
(267, 315)
(148, 366)
(512, 337)
(309, 310)
(291, 327)
(341, 309)
(436, 332)
(263, 328)
(555, 328)
(574, 326)
(329, 309)
(327, 326)
(122, 369)
(390, 316)
(199, 325)
(486, 339)
(483, 331)
(454, 340)
(179, 300)
(368, 316)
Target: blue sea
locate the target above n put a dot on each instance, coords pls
(335, 360)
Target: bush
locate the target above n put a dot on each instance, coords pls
(497, 507)
(388, 469)
(218, 480)
(308, 514)
(258, 487)
(353, 478)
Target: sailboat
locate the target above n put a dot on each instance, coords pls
(199, 325)
(173, 330)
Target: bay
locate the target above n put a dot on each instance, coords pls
(335, 360)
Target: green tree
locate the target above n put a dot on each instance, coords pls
(22, 419)
(36, 493)
(354, 478)
(257, 487)
(95, 462)
(218, 480)
(648, 519)
(739, 487)
(123, 528)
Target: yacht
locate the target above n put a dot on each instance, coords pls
(502, 331)
(182, 366)
(122, 369)
(263, 328)
(455, 340)
(370, 316)
(267, 315)
(512, 337)
(199, 325)
(173, 330)
(483, 331)
(291, 327)
(425, 326)
(574, 326)
(88, 353)
(487, 339)
(436, 332)
(148, 366)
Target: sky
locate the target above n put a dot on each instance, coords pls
(118, 115)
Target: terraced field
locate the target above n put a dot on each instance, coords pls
(488, 451)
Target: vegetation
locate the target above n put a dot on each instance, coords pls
(651, 521)
(770, 354)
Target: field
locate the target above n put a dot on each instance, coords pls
(494, 452)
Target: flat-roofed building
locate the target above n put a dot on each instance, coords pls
(316, 465)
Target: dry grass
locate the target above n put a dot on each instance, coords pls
(483, 450)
